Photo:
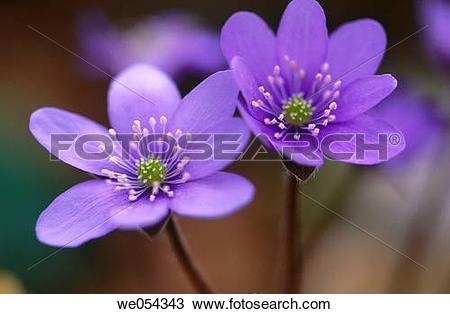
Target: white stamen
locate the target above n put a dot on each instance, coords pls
(276, 70)
(282, 126)
(333, 106)
(337, 84)
(112, 133)
(152, 122)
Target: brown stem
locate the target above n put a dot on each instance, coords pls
(294, 260)
(185, 258)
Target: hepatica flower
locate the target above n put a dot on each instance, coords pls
(143, 190)
(302, 83)
(176, 42)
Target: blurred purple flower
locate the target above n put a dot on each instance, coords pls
(176, 42)
(303, 82)
(435, 16)
(421, 125)
(143, 190)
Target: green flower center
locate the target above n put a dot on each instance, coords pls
(297, 111)
(151, 171)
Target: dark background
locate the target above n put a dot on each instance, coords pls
(239, 253)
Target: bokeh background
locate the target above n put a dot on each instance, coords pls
(356, 241)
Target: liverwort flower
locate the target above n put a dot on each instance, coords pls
(176, 42)
(434, 15)
(302, 83)
(135, 190)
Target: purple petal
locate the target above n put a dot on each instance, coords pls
(363, 94)
(142, 213)
(205, 55)
(371, 128)
(220, 137)
(46, 122)
(246, 35)
(435, 16)
(175, 42)
(247, 85)
(101, 44)
(302, 36)
(138, 93)
(416, 118)
(213, 100)
(82, 213)
(356, 49)
(215, 196)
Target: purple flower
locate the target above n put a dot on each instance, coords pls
(174, 42)
(418, 120)
(302, 83)
(144, 190)
(435, 16)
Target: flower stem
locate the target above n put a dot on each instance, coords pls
(293, 255)
(185, 258)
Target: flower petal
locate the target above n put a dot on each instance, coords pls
(215, 196)
(246, 35)
(82, 213)
(213, 100)
(247, 85)
(363, 94)
(48, 122)
(138, 93)
(223, 144)
(143, 213)
(356, 49)
(303, 36)
(434, 17)
(415, 117)
(100, 43)
(371, 128)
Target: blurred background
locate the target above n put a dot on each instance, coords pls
(361, 225)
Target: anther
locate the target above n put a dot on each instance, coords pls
(333, 106)
(276, 70)
(325, 67)
(152, 122)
